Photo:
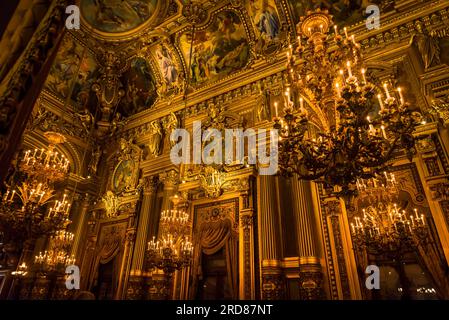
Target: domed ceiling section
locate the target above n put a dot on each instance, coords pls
(118, 17)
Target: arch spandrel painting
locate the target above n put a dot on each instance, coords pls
(169, 68)
(219, 49)
(140, 84)
(73, 63)
(266, 22)
(118, 16)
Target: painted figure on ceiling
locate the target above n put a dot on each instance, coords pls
(167, 66)
(218, 50)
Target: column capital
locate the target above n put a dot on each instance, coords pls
(150, 184)
(169, 178)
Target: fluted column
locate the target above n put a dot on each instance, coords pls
(310, 274)
(170, 181)
(136, 281)
(272, 283)
(80, 228)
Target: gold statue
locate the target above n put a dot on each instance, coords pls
(428, 46)
(156, 138)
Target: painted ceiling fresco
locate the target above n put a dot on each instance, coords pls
(140, 88)
(345, 12)
(266, 22)
(114, 16)
(220, 47)
(73, 66)
(167, 66)
(218, 50)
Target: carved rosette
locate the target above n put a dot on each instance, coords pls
(310, 284)
(273, 286)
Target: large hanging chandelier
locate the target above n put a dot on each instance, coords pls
(174, 250)
(57, 257)
(25, 209)
(384, 228)
(359, 128)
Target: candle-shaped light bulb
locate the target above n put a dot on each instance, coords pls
(346, 32)
(337, 86)
(336, 30)
(342, 73)
(401, 97)
(386, 90)
(379, 97)
(301, 103)
(348, 65)
(363, 71)
(383, 132)
(276, 109)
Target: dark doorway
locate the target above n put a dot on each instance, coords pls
(105, 286)
(214, 283)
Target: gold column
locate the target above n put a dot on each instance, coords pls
(123, 279)
(270, 252)
(170, 181)
(247, 270)
(80, 229)
(146, 222)
(340, 251)
(310, 272)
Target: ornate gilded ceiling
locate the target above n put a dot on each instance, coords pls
(118, 16)
(151, 42)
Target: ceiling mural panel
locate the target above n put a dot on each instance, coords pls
(265, 18)
(117, 16)
(73, 63)
(219, 49)
(169, 68)
(140, 88)
(345, 12)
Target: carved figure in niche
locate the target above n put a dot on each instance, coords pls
(111, 203)
(87, 119)
(263, 103)
(428, 47)
(93, 165)
(156, 138)
(117, 123)
(171, 123)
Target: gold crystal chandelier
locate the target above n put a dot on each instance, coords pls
(359, 128)
(25, 211)
(385, 228)
(174, 250)
(57, 257)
